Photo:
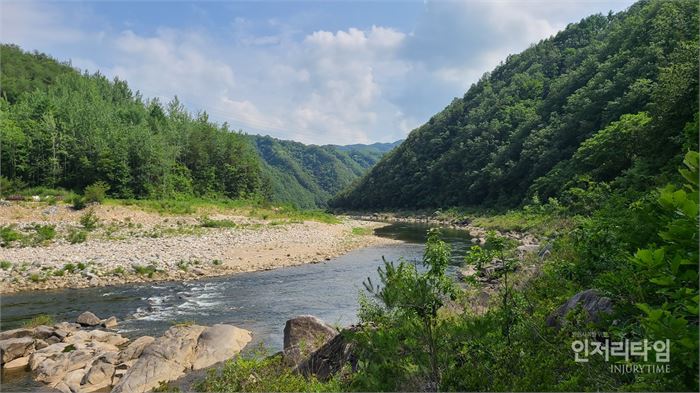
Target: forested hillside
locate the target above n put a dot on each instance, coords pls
(64, 129)
(608, 104)
(308, 175)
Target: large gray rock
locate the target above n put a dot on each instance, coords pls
(594, 304)
(303, 335)
(181, 348)
(165, 359)
(88, 319)
(134, 350)
(218, 343)
(14, 348)
(16, 333)
(330, 358)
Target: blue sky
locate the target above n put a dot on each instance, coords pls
(317, 72)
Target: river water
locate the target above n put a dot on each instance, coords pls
(259, 301)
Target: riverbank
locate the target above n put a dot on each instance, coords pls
(130, 245)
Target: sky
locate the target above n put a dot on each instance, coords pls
(339, 72)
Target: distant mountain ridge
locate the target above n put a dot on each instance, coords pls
(307, 176)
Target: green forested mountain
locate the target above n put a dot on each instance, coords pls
(609, 103)
(308, 175)
(61, 128)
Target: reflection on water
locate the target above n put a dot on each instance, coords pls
(258, 301)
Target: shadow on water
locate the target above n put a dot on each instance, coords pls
(258, 301)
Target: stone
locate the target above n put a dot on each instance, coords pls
(166, 359)
(40, 344)
(218, 343)
(303, 335)
(330, 358)
(22, 362)
(134, 350)
(99, 374)
(591, 301)
(14, 348)
(16, 333)
(43, 332)
(67, 326)
(88, 319)
(110, 322)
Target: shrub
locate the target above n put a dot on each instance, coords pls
(89, 220)
(207, 222)
(76, 236)
(41, 319)
(44, 233)
(149, 270)
(96, 192)
(8, 234)
(78, 202)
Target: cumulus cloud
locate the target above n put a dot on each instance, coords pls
(271, 76)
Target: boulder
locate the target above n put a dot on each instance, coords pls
(22, 362)
(330, 358)
(181, 348)
(594, 304)
(218, 343)
(98, 376)
(165, 359)
(16, 333)
(134, 350)
(88, 319)
(14, 348)
(110, 322)
(43, 332)
(303, 335)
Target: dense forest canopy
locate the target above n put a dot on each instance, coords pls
(608, 103)
(62, 128)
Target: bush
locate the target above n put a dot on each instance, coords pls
(8, 234)
(89, 220)
(96, 192)
(76, 236)
(207, 222)
(78, 202)
(44, 233)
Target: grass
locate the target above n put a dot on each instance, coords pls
(207, 222)
(36, 277)
(149, 270)
(69, 267)
(59, 273)
(8, 234)
(5, 265)
(76, 236)
(183, 265)
(250, 208)
(216, 262)
(41, 319)
(89, 220)
(361, 231)
(270, 375)
(118, 271)
(44, 233)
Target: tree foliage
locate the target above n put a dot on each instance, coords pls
(612, 98)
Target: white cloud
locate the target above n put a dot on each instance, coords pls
(263, 75)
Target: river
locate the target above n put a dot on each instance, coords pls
(258, 301)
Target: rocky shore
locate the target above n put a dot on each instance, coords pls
(135, 246)
(86, 356)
